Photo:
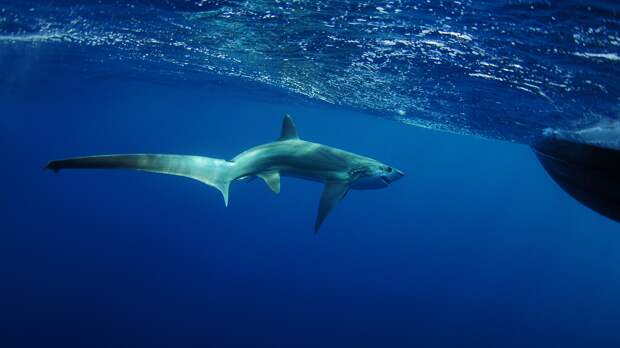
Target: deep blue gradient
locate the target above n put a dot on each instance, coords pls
(474, 247)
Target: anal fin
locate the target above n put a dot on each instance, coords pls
(246, 178)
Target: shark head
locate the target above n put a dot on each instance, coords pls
(375, 175)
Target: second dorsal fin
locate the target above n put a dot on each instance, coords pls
(289, 131)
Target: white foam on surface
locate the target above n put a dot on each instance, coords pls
(605, 133)
(608, 56)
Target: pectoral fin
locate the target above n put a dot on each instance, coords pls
(333, 193)
(272, 178)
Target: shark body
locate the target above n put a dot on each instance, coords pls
(339, 170)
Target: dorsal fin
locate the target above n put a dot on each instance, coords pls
(289, 131)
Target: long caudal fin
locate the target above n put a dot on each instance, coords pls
(211, 171)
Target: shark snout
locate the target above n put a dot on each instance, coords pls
(394, 175)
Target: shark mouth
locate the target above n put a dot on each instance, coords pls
(386, 180)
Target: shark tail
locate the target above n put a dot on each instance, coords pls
(214, 172)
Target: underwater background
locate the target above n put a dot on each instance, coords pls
(475, 247)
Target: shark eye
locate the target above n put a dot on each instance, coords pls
(389, 169)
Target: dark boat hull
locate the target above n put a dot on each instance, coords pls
(590, 174)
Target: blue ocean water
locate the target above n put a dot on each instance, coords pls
(475, 247)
